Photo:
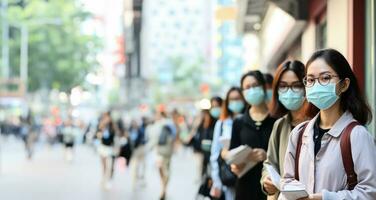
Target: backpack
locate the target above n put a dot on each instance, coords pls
(165, 141)
(347, 159)
(166, 133)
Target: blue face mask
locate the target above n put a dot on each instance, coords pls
(323, 97)
(291, 100)
(269, 94)
(215, 112)
(254, 96)
(236, 106)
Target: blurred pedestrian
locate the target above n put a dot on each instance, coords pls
(28, 135)
(206, 130)
(69, 131)
(137, 141)
(106, 134)
(162, 135)
(204, 135)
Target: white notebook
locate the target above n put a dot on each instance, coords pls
(293, 190)
(238, 156)
(274, 176)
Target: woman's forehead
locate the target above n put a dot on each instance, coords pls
(234, 93)
(319, 66)
(289, 76)
(250, 80)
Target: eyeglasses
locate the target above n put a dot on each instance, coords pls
(323, 79)
(295, 87)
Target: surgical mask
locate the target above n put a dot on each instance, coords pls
(236, 106)
(291, 100)
(269, 94)
(323, 97)
(254, 96)
(215, 112)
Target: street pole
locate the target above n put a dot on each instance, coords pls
(24, 57)
(5, 39)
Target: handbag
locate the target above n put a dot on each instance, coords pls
(228, 178)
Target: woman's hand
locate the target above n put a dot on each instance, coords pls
(215, 192)
(237, 169)
(317, 196)
(257, 155)
(269, 187)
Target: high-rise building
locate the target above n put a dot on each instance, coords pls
(176, 39)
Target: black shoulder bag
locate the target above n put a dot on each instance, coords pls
(228, 178)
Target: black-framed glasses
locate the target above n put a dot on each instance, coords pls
(295, 87)
(323, 79)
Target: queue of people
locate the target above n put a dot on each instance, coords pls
(310, 127)
(307, 123)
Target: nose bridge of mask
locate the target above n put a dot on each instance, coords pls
(291, 94)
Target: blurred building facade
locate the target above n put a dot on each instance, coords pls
(108, 78)
(135, 85)
(229, 44)
(295, 29)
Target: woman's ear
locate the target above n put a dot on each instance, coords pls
(345, 85)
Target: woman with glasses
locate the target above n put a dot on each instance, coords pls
(287, 102)
(252, 129)
(333, 155)
(233, 106)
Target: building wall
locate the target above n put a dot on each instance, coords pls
(337, 29)
(371, 59)
(308, 42)
(337, 18)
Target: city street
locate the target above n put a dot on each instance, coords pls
(49, 176)
(187, 100)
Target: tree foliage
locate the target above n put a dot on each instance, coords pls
(60, 54)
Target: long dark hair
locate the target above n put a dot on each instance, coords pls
(352, 99)
(277, 108)
(226, 112)
(268, 79)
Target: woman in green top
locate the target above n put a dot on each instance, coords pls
(287, 101)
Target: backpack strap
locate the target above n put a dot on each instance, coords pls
(279, 127)
(347, 159)
(298, 147)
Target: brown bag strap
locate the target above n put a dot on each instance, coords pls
(347, 159)
(298, 147)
